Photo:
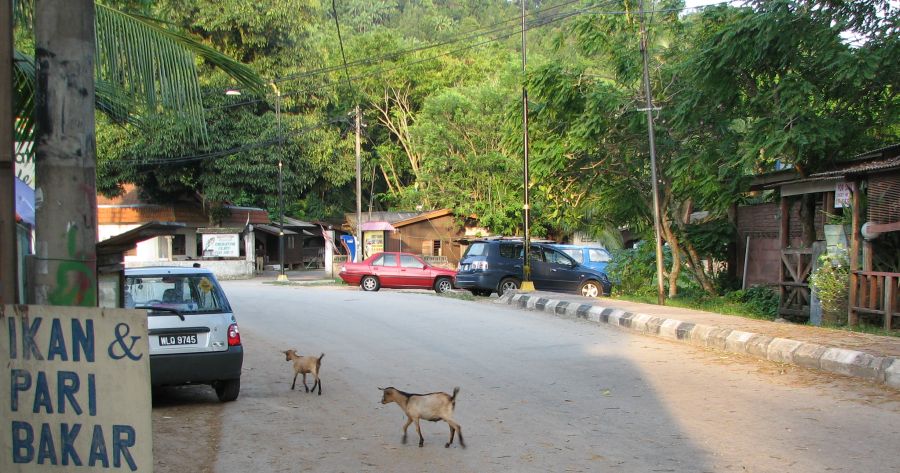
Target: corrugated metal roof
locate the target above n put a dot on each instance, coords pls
(866, 167)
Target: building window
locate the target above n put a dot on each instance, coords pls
(436, 248)
(179, 247)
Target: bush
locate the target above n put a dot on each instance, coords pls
(831, 281)
(633, 271)
(759, 300)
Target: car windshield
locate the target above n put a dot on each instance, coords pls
(187, 294)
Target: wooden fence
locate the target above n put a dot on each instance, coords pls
(874, 293)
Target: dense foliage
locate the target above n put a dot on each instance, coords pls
(439, 84)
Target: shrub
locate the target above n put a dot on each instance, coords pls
(831, 281)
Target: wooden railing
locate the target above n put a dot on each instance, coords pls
(874, 293)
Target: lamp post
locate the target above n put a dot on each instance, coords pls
(527, 284)
(281, 275)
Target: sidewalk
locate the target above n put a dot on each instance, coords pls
(872, 357)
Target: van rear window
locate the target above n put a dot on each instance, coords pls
(476, 249)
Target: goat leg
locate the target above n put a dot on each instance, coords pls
(452, 431)
(295, 381)
(406, 426)
(419, 431)
(304, 383)
(458, 429)
(319, 382)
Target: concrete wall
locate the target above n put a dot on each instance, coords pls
(223, 269)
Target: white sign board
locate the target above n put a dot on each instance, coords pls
(25, 163)
(226, 244)
(842, 194)
(75, 389)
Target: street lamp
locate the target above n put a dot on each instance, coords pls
(281, 275)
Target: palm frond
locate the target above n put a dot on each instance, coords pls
(23, 100)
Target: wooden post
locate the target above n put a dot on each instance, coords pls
(783, 238)
(890, 288)
(852, 316)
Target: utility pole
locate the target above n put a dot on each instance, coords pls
(65, 270)
(527, 284)
(281, 276)
(660, 288)
(358, 192)
(8, 262)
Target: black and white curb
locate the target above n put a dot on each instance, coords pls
(881, 369)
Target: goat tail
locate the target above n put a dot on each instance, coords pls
(319, 361)
(453, 397)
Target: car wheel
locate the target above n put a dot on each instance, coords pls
(442, 285)
(228, 389)
(508, 284)
(370, 283)
(591, 289)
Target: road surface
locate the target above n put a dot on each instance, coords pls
(537, 393)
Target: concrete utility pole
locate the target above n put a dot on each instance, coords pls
(657, 222)
(8, 267)
(359, 250)
(65, 270)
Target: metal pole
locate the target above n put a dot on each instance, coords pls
(281, 276)
(8, 263)
(661, 296)
(527, 284)
(358, 192)
(746, 258)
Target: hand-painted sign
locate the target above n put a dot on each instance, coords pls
(75, 389)
(221, 244)
(843, 192)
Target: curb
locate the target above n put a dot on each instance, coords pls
(880, 369)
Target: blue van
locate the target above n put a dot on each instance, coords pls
(593, 257)
(495, 265)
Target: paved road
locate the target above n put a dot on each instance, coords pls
(538, 393)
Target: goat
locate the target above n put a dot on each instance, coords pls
(432, 407)
(304, 365)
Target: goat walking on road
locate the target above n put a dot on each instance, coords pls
(432, 407)
(305, 365)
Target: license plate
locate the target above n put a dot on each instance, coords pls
(171, 340)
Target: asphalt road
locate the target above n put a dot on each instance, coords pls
(537, 393)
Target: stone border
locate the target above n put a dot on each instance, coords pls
(880, 369)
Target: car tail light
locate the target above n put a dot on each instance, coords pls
(482, 265)
(234, 335)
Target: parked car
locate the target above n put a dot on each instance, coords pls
(591, 256)
(496, 265)
(194, 337)
(397, 270)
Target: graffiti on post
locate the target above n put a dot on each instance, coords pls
(76, 282)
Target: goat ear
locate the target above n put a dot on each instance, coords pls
(381, 389)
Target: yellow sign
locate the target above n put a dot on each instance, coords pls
(374, 241)
(76, 389)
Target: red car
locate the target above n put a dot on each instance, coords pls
(397, 270)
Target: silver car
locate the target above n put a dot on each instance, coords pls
(194, 337)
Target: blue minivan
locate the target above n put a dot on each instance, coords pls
(590, 256)
(495, 265)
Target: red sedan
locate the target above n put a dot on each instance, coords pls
(397, 270)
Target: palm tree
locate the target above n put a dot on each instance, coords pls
(142, 67)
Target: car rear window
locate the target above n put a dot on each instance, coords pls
(385, 260)
(575, 253)
(188, 294)
(511, 250)
(476, 249)
(598, 256)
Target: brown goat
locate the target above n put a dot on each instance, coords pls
(304, 365)
(432, 407)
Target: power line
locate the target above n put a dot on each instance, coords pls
(476, 32)
(337, 25)
(557, 18)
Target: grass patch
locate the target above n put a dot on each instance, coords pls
(719, 305)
